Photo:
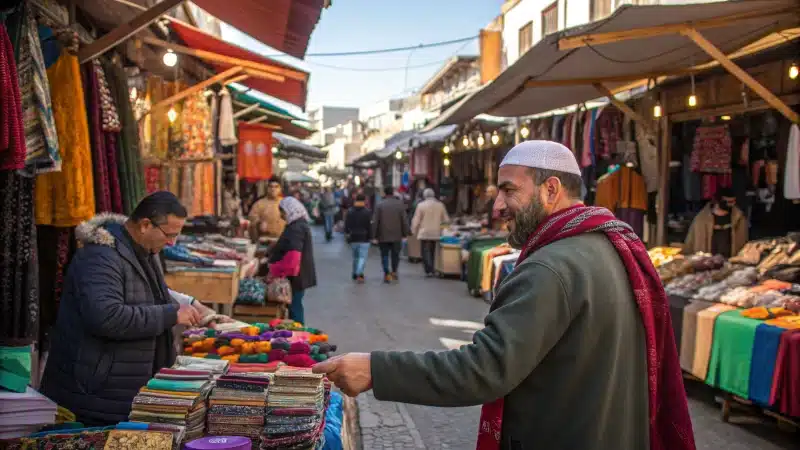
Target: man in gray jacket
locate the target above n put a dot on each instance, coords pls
(567, 350)
(114, 325)
(389, 228)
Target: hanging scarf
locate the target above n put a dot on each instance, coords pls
(670, 425)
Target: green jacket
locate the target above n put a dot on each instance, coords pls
(563, 343)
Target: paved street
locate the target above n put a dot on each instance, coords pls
(421, 314)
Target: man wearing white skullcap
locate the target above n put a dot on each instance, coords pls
(568, 352)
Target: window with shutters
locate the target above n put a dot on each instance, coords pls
(525, 38)
(550, 19)
(599, 9)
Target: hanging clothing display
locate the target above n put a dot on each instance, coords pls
(202, 195)
(66, 198)
(196, 122)
(41, 139)
(623, 192)
(129, 163)
(227, 124)
(712, 149)
(608, 131)
(254, 158)
(12, 128)
(791, 183)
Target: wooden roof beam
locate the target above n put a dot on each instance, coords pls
(246, 110)
(260, 119)
(615, 79)
(125, 30)
(741, 74)
(582, 40)
(218, 58)
(219, 78)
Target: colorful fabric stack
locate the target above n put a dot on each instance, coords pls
(296, 406)
(260, 344)
(237, 404)
(178, 432)
(177, 397)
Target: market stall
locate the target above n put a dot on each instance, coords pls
(736, 321)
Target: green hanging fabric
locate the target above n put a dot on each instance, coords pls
(130, 168)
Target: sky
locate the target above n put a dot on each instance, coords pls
(355, 25)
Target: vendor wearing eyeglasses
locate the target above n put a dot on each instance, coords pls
(265, 215)
(720, 228)
(115, 321)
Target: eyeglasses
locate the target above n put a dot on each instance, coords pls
(169, 236)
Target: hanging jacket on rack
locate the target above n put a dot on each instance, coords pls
(624, 193)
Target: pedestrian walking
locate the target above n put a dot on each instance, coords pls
(328, 209)
(389, 228)
(265, 216)
(577, 351)
(358, 232)
(426, 225)
(293, 255)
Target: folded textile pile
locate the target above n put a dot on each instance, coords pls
(216, 367)
(177, 397)
(237, 404)
(24, 413)
(15, 368)
(123, 439)
(252, 291)
(80, 438)
(296, 407)
(178, 432)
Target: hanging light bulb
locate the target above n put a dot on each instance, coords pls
(446, 149)
(274, 150)
(794, 71)
(172, 114)
(692, 98)
(524, 132)
(170, 58)
(726, 118)
(465, 141)
(134, 94)
(398, 156)
(481, 140)
(657, 110)
(495, 138)
(446, 162)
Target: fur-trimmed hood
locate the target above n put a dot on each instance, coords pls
(93, 231)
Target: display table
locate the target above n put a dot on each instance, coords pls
(448, 260)
(219, 289)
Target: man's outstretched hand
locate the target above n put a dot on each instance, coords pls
(350, 372)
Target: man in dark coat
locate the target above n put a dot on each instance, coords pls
(389, 227)
(114, 324)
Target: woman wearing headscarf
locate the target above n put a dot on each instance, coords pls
(293, 255)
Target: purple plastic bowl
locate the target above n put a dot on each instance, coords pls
(220, 443)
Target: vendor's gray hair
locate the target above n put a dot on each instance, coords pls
(428, 193)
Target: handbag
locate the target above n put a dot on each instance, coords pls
(279, 290)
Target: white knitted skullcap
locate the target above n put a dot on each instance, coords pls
(546, 155)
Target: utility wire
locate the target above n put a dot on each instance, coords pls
(377, 69)
(395, 49)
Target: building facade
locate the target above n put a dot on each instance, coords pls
(325, 119)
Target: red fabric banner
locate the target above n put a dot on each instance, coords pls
(254, 156)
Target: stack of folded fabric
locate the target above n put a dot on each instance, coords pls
(178, 432)
(177, 397)
(237, 405)
(15, 368)
(24, 413)
(296, 406)
(215, 366)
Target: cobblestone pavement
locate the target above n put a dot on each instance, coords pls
(423, 314)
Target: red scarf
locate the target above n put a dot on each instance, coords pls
(670, 425)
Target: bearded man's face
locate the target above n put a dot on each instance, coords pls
(519, 203)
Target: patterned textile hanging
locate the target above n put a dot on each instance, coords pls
(196, 122)
(12, 129)
(19, 277)
(66, 198)
(41, 138)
